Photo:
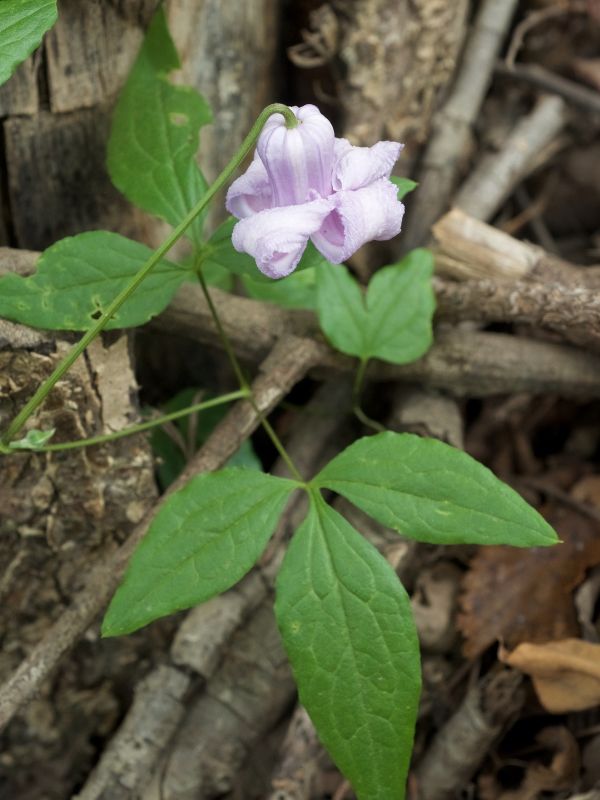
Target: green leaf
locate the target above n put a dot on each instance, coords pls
(172, 458)
(22, 25)
(204, 539)
(404, 185)
(78, 277)
(347, 626)
(298, 290)
(393, 321)
(34, 440)
(432, 492)
(154, 136)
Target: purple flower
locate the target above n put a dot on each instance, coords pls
(305, 183)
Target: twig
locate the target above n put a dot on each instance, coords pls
(497, 175)
(572, 313)
(288, 363)
(572, 92)
(531, 21)
(461, 745)
(468, 248)
(450, 141)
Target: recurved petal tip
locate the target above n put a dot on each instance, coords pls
(356, 167)
(360, 216)
(277, 237)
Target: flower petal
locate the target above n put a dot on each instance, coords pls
(356, 167)
(372, 213)
(299, 159)
(251, 192)
(276, 237)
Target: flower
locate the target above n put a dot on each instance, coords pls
(306, 183)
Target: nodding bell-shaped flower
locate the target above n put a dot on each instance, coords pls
(303, 184)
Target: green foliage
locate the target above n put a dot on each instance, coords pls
(204, 539)
(78, 277)
(298, 290)
(347, 626)
(154, 136)
(194, 431)
(404, 185)
(22, 25)
(33, 440)
(432, 492)
(392, 321)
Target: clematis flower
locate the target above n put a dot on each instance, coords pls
(304, 183)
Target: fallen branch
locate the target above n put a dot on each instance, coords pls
(466, 248)
(450, 142)
(574, 93)
(573, 313)
(459, 747)
(497, 174)
(462, 363)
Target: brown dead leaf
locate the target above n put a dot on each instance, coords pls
(565, 674)
(559, 774)
(516, 595)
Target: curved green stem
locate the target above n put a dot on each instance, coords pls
(42, 392)
(144, 426)
(356, 392)
(235, 365)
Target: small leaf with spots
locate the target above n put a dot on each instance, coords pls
(78, 277)
(204, 539)
(347, 626)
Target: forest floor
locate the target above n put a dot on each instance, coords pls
(509, 201)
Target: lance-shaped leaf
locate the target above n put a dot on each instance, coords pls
(78, 277)
(154, 135)
(347, 626)
(432, 492)
(393, 321)
(204, 539)
(22, 25)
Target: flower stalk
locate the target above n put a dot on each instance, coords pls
(45, 388)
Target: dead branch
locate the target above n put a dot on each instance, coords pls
(535, 75)
(467, 248)
(460, 746)
(296, 774)
(462, 363)
(157, 709)
(452, 131)
(287, 364)
(496, 175)
(573, 313)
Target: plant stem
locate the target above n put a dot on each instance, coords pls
(42, 392)
(356, 392)
(143, 426)
(278, 444)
